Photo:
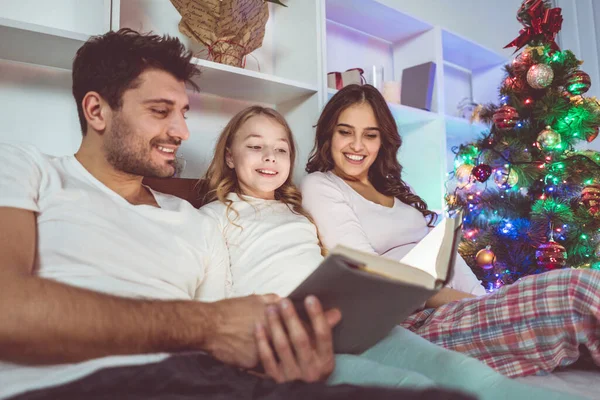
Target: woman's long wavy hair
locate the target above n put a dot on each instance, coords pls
(220, 180)
(386, 172)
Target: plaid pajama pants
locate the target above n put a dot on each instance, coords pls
(530, 327)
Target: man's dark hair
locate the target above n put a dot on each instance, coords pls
(111, 63)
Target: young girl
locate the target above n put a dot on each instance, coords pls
(272, 241)
(273, 245)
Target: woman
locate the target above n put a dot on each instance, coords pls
(356, 195)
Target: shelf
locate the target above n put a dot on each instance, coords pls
(467, 54)
(238, 83)
(375, 19)
(37, 44)
(405, 116)
(51, 47)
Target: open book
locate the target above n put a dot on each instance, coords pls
(375, 293)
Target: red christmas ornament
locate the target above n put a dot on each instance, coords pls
(590, 198)
(592, 135)
(506, 117)
(551, 255)
(482, 172)
(578, 83)
(513, 83)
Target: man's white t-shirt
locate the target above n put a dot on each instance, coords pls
(271, 249)
(90, 237)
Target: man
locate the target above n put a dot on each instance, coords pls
(101, 278)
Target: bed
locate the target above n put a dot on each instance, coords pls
(583, 380)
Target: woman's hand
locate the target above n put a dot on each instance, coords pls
(301, 355)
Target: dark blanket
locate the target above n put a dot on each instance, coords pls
(197, 376)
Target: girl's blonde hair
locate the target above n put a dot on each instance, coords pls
(220, 179)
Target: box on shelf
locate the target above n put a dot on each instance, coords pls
(417, 86)
(337, 80)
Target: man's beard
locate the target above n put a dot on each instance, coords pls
(129, 153)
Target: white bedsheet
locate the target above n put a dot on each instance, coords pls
(583, 383)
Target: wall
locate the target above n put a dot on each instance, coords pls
(491, 23)
(580, 33)
(36, 103)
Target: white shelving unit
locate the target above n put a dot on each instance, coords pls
(366, 33)
(302, 43)
(37, 44)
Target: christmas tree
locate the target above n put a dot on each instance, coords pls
(530, 197)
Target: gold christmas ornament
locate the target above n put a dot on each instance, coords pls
(548, 139)
(485, 258)
(540, 76)
(463, 175)
(451, 200)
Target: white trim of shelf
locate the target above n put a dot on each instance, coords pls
(115, 15)
(405, 116)
(350, 28)
(107, 15)
(242, 84)
(37, 44)
(457, 67)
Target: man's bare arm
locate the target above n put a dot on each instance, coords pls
(44, 321)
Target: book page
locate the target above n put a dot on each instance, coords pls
(424, 255)
(386, 267)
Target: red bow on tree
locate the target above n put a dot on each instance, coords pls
(544, 21)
